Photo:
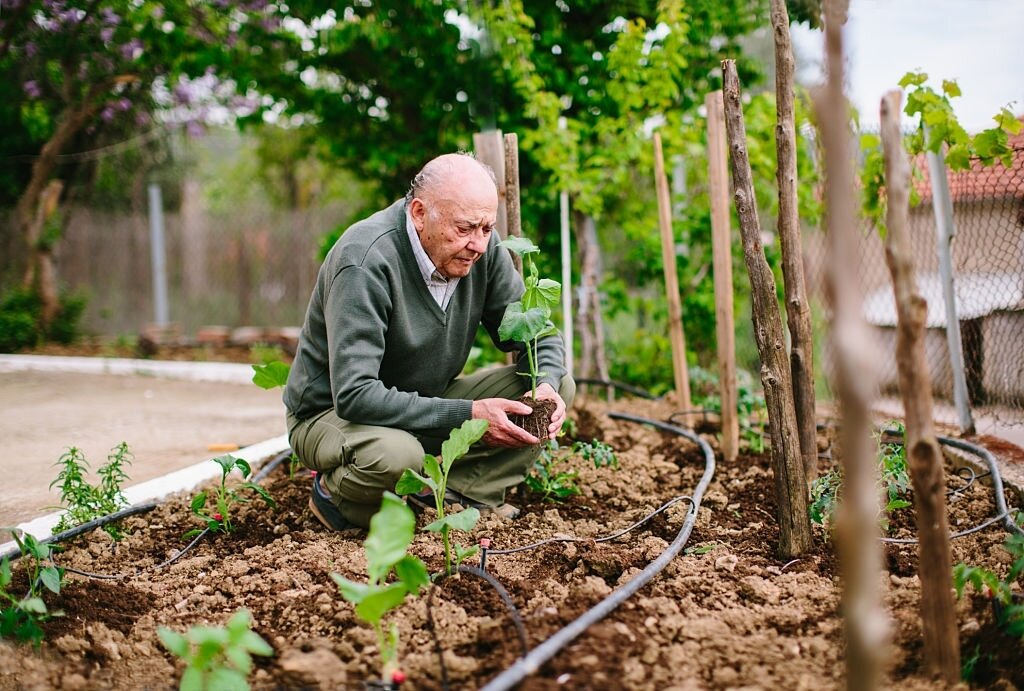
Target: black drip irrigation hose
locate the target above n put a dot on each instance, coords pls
(130, 511)
(532, 661)
(621, 386)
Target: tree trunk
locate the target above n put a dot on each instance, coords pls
(790, 479)
(938, 613)
(798, 312)
(40, 274)
(857, 532)
(593, 361)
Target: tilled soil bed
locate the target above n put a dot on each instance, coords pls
(724, 614)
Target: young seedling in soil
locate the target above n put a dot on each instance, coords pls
(391, 530)
(436, 480)
(216, 657)
(557, 485)
(527, 321)
(1009, 606)
(84, 501)
(219, 521)
(20, 616)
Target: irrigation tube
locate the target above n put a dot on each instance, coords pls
(529, 664)
(997, 481)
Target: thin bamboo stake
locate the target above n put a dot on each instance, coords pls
(721, 249)
(938, 613)
(787, 466)
(513, 216)
(857, 529)
(668, 257)
(798, 311)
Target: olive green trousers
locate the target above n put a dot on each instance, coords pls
(358, 463)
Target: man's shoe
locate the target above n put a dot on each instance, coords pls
(324, 509)
(419, 502)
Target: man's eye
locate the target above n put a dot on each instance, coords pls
(488, 230)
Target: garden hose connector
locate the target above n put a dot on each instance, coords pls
(485, 543)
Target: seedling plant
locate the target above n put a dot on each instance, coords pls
(529, 319)
(558, 485)
(436, 479)
(20, 617)
(1009, 605)
(225, 498)
(391, 531)
(86, 502)
(216, 657)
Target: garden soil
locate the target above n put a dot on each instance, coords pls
(725, 614)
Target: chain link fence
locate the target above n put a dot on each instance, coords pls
(988, 280)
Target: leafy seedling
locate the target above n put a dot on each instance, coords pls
(529, 319)
(436, 479)
(20, 617)
(86, 502)
(270, 375)
(225, 498)
(391, 531)
(216, 657)
(1009, 606)
(547, 480)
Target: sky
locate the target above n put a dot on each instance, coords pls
(977, 43)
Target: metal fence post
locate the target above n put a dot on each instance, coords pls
(945, 229)
(158, 256)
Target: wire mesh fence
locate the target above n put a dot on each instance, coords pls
(988, 283)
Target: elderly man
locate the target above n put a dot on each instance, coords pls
(376, 379)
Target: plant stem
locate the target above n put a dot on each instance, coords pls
(532, 361)
(447, 551)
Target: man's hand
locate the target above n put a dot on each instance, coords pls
(547, 392)
(500, 430)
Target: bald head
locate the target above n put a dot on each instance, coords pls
(449, 175)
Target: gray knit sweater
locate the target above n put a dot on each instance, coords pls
(376, 346)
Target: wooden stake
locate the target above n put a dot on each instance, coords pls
(798, 311)
(668, 257)
(514, 220)
(790, 483)
(857, 532)
(721, 248)
(490, 149)
(938, 610)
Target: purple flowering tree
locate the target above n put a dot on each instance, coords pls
(77, 68)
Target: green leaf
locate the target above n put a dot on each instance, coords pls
(32, 604)
(255, 644)
(350, 590)
(958, 157)
(464, 553)
(51, 578)
(413, 573)
(173, 641)
(459, 441)
(551, 290)
(391, 530)
(913, 79)
(225, 679)
(264, 494)
(1007, 121)
(520, 245)
(239, 659)
(463, 520)
(990, 143)
(198, 502)
(517, 325)
(950, 88)
(271, 375)
(412, 482)
(380, 602)
(192, 680)
(226, 463)
(432, 467)
(243, 466)
(5, 573)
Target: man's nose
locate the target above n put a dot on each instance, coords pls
(477, 242)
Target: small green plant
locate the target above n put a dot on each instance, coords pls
(224, 497)
(825, 497)
(20, 617)
(547, 480)
(597, 452)
(391, 531)
(752, 415)
(1009, 605)
(86, 502)
(436, 480)
(216, 657)
(527, 320)
(270, 375)
(892, 462)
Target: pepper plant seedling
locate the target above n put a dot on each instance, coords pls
(216, 657)
(391, 531)
(529, 319)
(219, 520)
(436, 480)
(20, 616)
(84, 501)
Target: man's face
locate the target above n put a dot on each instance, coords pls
(455, 231)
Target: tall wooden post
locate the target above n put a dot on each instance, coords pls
(721, 250)
(490, 149)
(857, 535)
(513, 215)
(798, 309)
(668, 257)
(787, 466)
(938, 611)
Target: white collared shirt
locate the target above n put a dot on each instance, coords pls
(442, 289)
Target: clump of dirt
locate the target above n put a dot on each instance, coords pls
(726, 613)
(537, 422)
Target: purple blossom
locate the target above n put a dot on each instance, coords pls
(110, 17)
(141, 118)
(31, 49)
(123, 104)
(106, 34)
(132, 50)
(158, 12)
(195, 128)
(32, 89)
(107, 114)
(183, 93)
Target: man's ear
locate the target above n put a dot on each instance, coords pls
(418, 212)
